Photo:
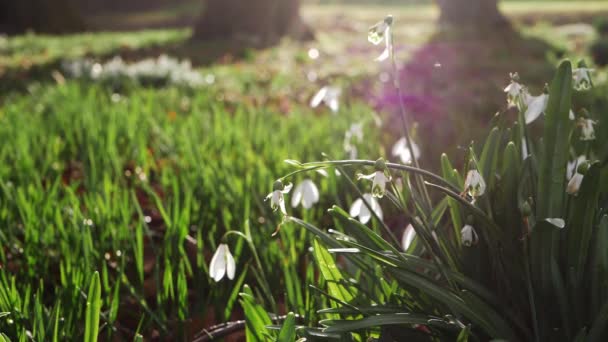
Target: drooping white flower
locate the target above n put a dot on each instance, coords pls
(573, 165)
(276, 196)
(468, 235)
(401, 150)
(328, 95)
(379, 180)
(306, 193)
(574, 184)
(582, 78)
(381, 31)
(359, 209)
(222, 263)
(536, 105)
(514, 92)
(587, 131)
(408, 237)
(571, 115)
(474, 184)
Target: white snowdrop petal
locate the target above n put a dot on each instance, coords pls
(574, 184)
(408, 237)
(296, 197)
(287, 187)
(319, 96)
(230, 264)
(355, 208)
(535, 108)
(365, 215)
(558, 222)
(385, 54)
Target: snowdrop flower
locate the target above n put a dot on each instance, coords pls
(306, 193)
(575, 178)
(536, 106)
(468, 235)
(574, 184)
(222, 264)
(379, 178)
(514, 90)
(587, 131)
(401, 150)
(408, 237)
(359, 209)
(474, 184)
(381, 31)
(276, 196)
(355, 131)
(329, 96)
(573, 165)
(582, 78)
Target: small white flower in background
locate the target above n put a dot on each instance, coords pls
(381, 31)
(222, 263)
(536, 106)
(408, 237)
(359, 209)
(468, 235)
(328, 95)
(355, 131)
(401, 150)
(379, 180)
(474, 184)
(306, 193)
(276, 196)
(582, 78)
(571, 115)
(587, 131)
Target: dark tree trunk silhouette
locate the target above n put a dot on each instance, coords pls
(41, 16)
(258, 21)
(471, 14)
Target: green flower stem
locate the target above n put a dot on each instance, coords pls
(416, 170)
(408, 139)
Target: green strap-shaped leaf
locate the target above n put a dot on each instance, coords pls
(552, 177)
(330, 273)
(91, 326)
(551, 192)
(288, 330)
(580, 227)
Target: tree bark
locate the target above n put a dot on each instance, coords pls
(41, 16)
(259, 21)
(471, 14)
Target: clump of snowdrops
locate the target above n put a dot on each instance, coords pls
(512, 247)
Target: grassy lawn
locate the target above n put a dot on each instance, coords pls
(139, 183)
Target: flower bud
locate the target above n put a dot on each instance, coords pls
(380, 165)
(278, 185)
(583, 167)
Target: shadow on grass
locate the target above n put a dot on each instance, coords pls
(453, 86)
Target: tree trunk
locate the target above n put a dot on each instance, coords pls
(41, 16)
(471, 14)
(258, 21)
